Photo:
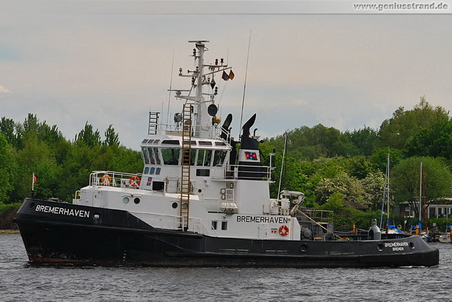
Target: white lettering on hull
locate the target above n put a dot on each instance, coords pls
(262, 219)
(396, 246)
(62, 211)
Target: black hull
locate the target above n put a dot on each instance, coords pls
(117, 238)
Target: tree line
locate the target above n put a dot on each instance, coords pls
(60, 165)
(339, 171)
(345, 171)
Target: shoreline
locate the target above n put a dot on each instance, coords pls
(10, 231)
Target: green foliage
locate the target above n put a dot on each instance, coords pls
(434, 141)
(111, 137)
(88, 136)
(346, 215)
(441, 224)
(7, 213)
(404, 125)
(406, 180)
(61, 167)
(7, 169)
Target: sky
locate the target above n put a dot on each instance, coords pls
(296, 63)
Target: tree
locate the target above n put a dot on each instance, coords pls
(7, 170)
(405, 180)
(349, 187)
(36, 157)
(364, 140)
(403, 126)
(434, 141)
(88, 136)
(373, 189)
(111, 137)
(7, 128)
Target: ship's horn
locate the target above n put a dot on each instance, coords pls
(225, 127)
(246, 127)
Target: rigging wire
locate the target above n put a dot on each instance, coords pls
(282, 164)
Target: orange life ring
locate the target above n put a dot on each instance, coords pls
(106, 179)
(284, 230)
(134, 181)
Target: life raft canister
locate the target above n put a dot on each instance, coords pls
(106, 179)
(134, 181)
(284, 230)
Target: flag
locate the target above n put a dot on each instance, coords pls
(33, 181)
(231, 75)
(250, 155)
(225, 76)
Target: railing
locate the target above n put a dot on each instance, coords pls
(249, 172)
(321, 216)
(176, 129)
(115, 179)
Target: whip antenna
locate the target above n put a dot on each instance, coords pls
(244, 84)
(169, 91)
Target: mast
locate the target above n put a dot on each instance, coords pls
(420, 194)
(203, 109)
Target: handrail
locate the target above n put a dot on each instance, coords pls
(115, 179)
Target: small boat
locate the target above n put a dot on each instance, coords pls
(445, 237)
(203, 199)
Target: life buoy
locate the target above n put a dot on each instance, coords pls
(284, 230)
(134, 181)
(106, 179)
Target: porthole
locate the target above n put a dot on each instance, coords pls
(96, 216)
(125, 200)
(174, 205)
(136, 200)
(32, 205)
(380, 247)
(304, 247)
(412, 245)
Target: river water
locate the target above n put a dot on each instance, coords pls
(20, 281)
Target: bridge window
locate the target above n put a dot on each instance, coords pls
(154, 155)
(219, 157)
(145, 154)
(170, 156)
(204, 157)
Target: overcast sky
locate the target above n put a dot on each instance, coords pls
(110, 62)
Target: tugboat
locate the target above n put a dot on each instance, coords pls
(202, 200)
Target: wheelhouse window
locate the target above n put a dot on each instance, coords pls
(219, 156)
(204, 158)
(150, 155)
(146, 156)
(170, 156)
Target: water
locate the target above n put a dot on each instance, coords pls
(21, 282)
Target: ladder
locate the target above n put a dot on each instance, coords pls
(153, 122)
(185, 168)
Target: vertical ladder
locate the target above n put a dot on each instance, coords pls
(153, 122)
(185, 168)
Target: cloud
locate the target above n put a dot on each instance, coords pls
(4, 90)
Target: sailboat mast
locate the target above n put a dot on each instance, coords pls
(420, 193)
(387, 191)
